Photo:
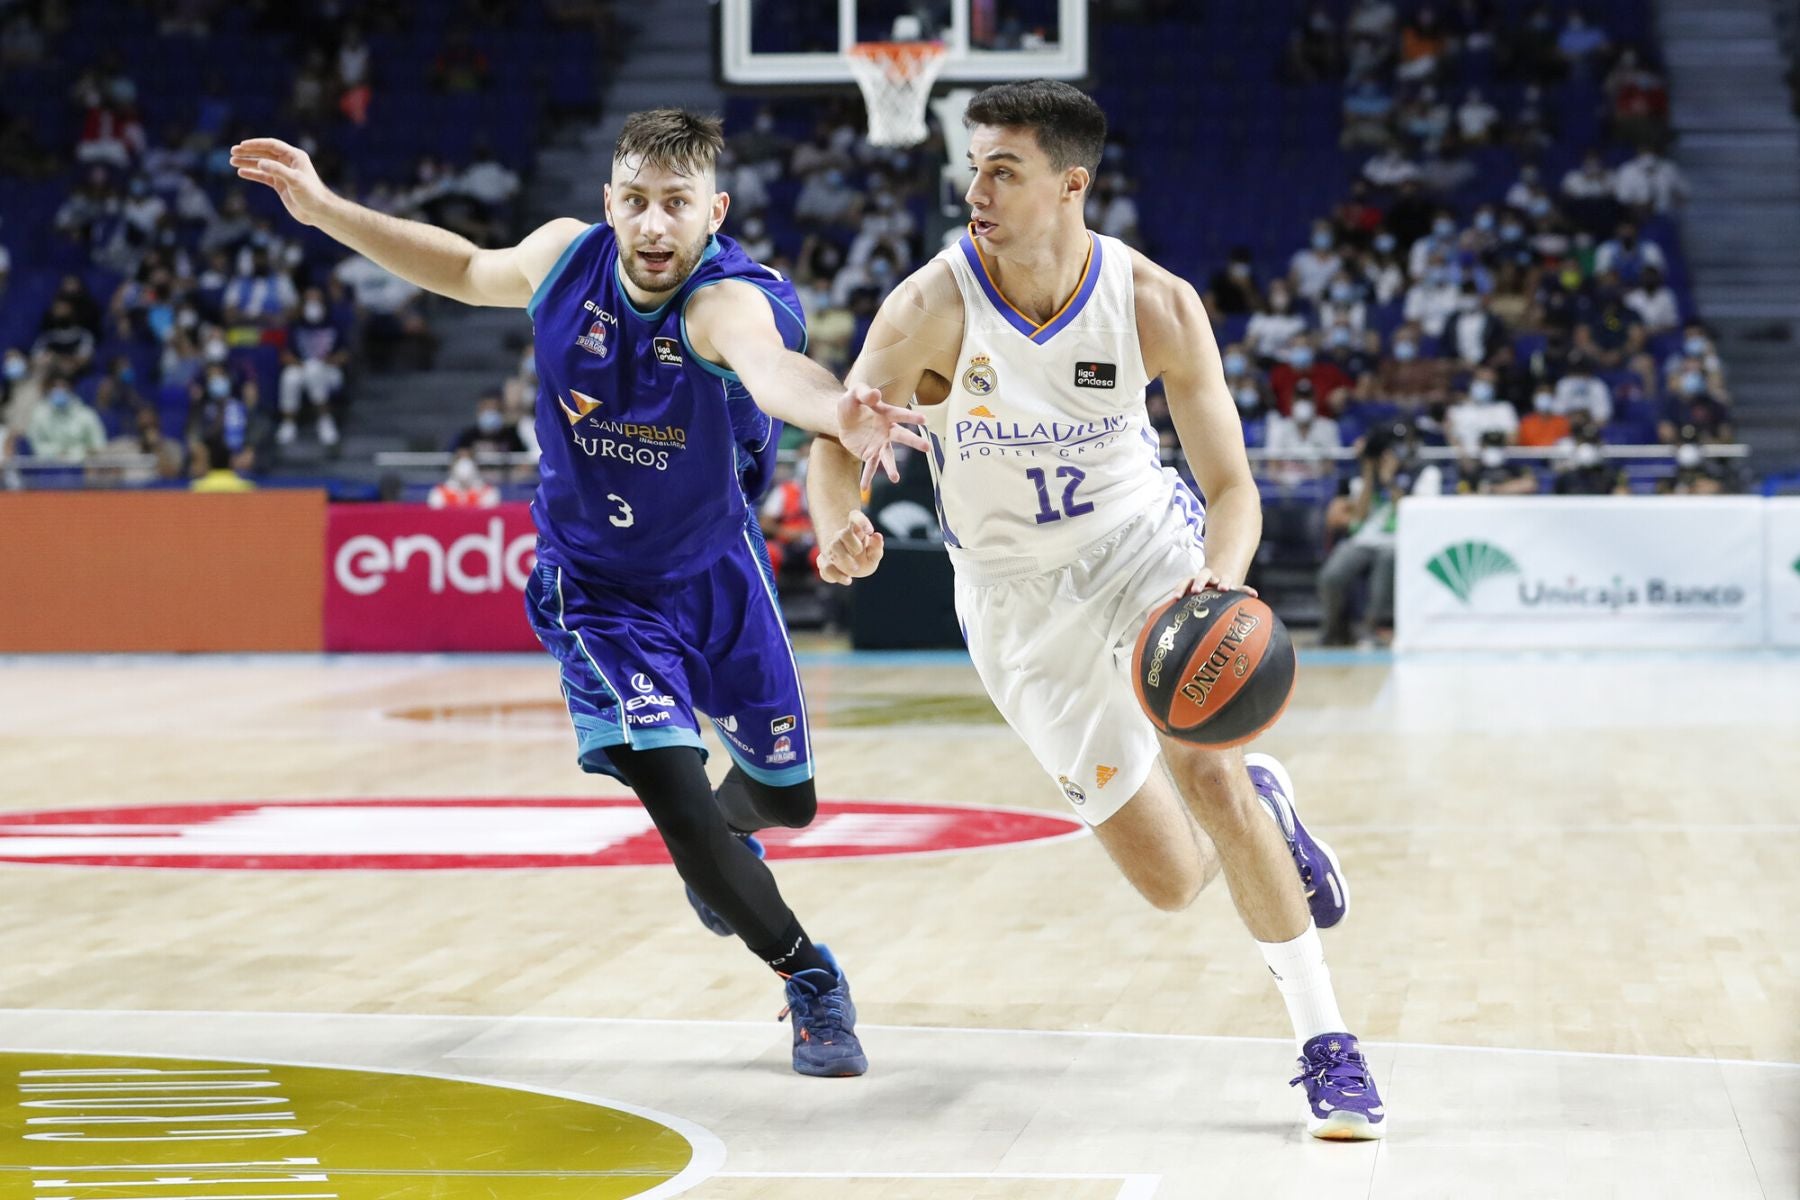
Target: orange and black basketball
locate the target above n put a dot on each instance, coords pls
(1214, 669)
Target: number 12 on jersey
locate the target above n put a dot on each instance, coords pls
(1070, 508)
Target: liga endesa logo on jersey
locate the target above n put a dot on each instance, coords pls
(409, 835)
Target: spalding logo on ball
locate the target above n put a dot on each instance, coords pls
(1215, 669)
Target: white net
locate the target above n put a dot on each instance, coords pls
(896, 79)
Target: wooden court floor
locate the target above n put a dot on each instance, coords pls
(1573, 947)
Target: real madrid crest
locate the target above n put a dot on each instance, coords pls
(980, 377)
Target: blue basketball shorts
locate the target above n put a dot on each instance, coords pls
(638, 660)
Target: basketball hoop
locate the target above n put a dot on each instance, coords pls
(896, 79)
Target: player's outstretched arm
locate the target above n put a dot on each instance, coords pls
(730, 324)
(917, 332)
(434, 259)
(1178, 345)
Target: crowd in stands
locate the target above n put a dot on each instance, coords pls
(190, 309)
(1536, 312)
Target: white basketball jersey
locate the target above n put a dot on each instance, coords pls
(1043, 446)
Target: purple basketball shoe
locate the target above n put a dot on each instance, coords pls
(1327, 892)
(824, 1019)
(1341, 1102)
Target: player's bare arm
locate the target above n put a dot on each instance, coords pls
(730, 324)
(434, 259)
(910, 354)
(1178, 346)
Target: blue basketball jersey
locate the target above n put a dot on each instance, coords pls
(651, 455)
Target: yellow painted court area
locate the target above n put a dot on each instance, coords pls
(118, 1125)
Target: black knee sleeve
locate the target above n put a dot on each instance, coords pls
(750, 805)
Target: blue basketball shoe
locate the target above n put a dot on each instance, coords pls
(708, 917)
(1327, 892)
(1341, 1102)
(824, 1020)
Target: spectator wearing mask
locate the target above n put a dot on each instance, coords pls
(1479, 412)
(1654, 302)
(1439, 243)
(1312, 269)
(1476, 119)
(1249, 386)
(1543, 425)
(1695, 403)
(312, 371)
(490, 434)
(1276, 324)
(1383, 271)
(1232, 291)
(1302, 362)
(1493, 473)
(260, 297)
(1302, 445)
(464, 487)
(1435, 298)
(1627, 254)
(220, 407)
(21, 389)
(1343, 304)
(1407, 376)
(1697, 343)
(1475, 334)
(1586, 472)
(1590, 181)
(63, 429)
(220, 477)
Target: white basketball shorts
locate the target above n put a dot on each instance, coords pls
(1054, 649)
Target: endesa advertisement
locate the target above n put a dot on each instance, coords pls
(408, 577)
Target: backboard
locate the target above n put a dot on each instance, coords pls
(800, 44)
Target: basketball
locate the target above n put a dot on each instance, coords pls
(1214, 669)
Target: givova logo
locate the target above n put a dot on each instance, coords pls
(1460, 568)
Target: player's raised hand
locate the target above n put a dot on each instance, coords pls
(289, 171)
(869, 427)
(853, 553)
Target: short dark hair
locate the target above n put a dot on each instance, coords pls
(687, 143)
(1070, 128)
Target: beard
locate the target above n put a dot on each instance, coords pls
(682, 261)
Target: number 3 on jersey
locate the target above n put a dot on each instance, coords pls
(624, 518)
(1047, 514)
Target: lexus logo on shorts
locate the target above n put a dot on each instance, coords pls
(642, 683)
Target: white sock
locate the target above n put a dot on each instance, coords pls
(1305, 983)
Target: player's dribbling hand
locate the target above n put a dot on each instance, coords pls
(869, 427)
(1212, 581)
(288, 170)
(853, 553)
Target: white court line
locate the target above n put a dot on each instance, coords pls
(1131, 1187)
(708, 1155)
(961, 1031)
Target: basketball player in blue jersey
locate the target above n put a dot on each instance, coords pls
(666, 362)
(1028, 345)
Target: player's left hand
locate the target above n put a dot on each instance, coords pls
(1209, 580)
(869, 426)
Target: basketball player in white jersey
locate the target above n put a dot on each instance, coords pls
(1028, 346)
